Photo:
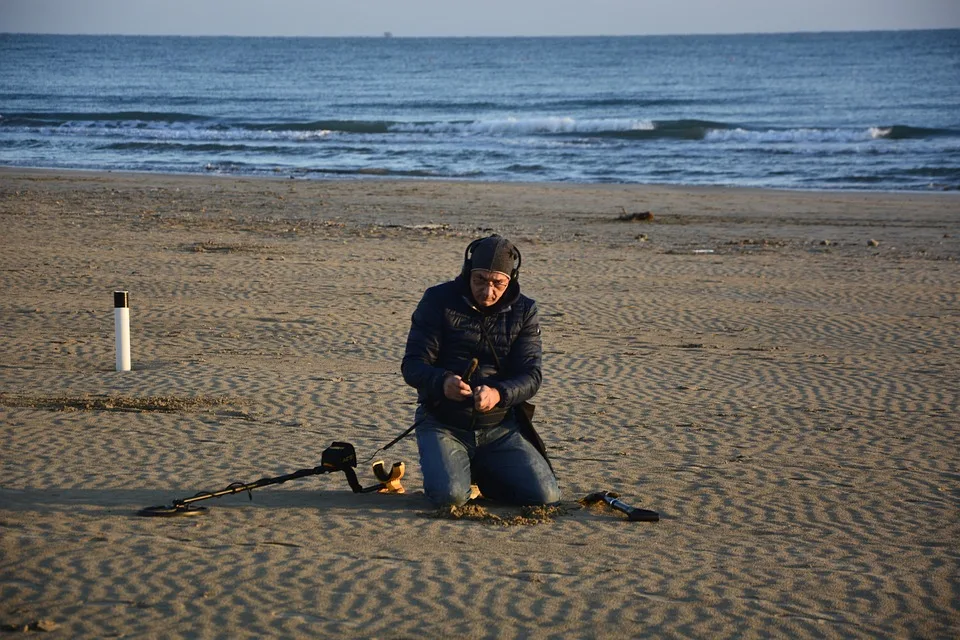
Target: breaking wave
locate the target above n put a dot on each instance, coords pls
(157, 125)
(904, 132)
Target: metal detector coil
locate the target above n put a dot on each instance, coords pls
(339, 456)
(172, 510)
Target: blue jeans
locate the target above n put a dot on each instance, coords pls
(503, 464)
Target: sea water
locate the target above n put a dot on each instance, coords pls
(865, 110)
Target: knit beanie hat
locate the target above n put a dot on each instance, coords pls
(494, 254)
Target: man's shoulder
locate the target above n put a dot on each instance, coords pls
(442, 293)
(527, 300)
(525, 303)
(444, 288)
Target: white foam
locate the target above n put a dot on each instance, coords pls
(313, 135)
(528, 126)
(789, 135)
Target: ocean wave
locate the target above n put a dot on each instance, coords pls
(48, 119)
(182, 123)
(942, 173)
(905, 132)
(627, 128)
(200, 147)
(166, 124)
(824, 135)
(802, 134)
(522, 126)
(662, 129)
(526, 168)
(320, 126)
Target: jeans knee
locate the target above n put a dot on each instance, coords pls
(545, 494)
(551, 494)
(447, 496)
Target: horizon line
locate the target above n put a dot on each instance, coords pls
(389, 35)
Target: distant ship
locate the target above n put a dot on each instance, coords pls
(387, 34)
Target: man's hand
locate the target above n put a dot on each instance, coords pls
(454, 388)
(485, 398)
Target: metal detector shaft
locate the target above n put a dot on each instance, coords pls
(262, 482)
(340, 456)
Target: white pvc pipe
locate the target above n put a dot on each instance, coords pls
(121, 322)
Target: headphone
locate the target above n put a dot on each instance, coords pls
(468, 258)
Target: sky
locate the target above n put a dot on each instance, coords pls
(469, 17)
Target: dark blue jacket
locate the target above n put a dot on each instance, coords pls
(447, 331)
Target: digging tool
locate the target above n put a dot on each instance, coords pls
(471, 368)
(612, 498)
(340, 456)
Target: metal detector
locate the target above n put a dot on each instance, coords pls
(339, 456)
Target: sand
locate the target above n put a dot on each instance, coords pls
(776, 373)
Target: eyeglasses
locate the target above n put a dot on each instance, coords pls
(498, 283)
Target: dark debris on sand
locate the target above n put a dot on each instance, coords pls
(528, 516)
(99, 402)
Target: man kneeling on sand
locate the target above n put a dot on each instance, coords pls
(475, 430)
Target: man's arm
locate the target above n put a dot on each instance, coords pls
(423, 348)
(524, 362)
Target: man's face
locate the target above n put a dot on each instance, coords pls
(488, 286)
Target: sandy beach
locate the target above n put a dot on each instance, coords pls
(776, 373)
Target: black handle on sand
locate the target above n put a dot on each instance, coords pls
(611, 498)
(634, 514)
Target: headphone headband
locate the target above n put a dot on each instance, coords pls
(468, 257)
